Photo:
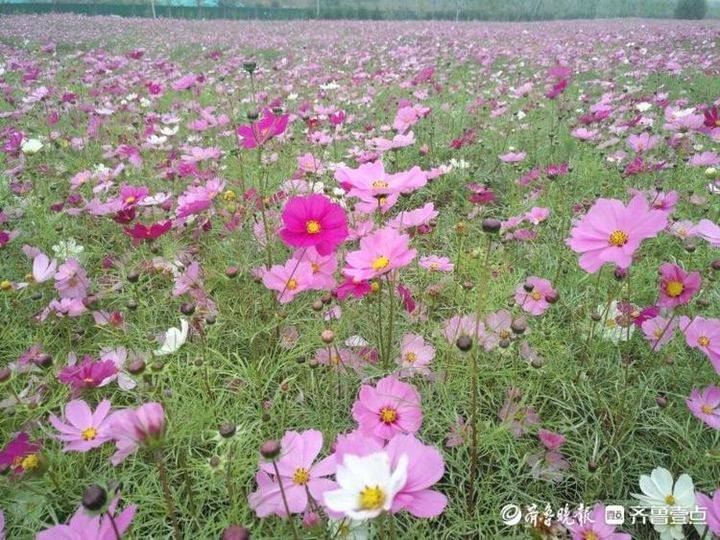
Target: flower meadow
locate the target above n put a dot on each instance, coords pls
(358, 279)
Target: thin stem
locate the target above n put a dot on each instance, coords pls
(473, 426)
(662, 334)
(170, 507)
(284, 499)
(391, 322)
(114, 525)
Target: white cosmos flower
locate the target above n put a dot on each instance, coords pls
(68, 249)
(612, 330)
(659, 491)
(174, 339)
(367, 485)
(31, 146)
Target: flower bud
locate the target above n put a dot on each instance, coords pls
(227, 430)
(327, 336)
(94, 498)
(270, 450)
(464, 343)
(491, 225)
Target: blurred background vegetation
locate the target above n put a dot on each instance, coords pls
(458, 10)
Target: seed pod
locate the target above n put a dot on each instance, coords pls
(464, 343)
(94, 498)
(270, 449)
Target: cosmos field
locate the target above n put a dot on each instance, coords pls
(359, 279)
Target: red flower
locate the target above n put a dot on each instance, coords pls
(142, 232)
(20, 455)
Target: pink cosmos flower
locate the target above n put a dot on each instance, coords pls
(643, 142)
(72, 307)
(708, 231)
(88, 374)
(537, 215)
(187, 280)
(261, 131)
(314, 220)
(436, 264)
(611, 232)
(370, 179)
(518, 417)
(705, 405)
(338, 359)
(85, 429)
(390, 407)
(380, 252)
(414, 218)
(131, 196)
(712, 507)
(595, 527)
(132, 428)
(20, 455)
(703, 334)
(71, 280)
(415, 355)
(535, 301)
(425, 468)
(462, 325)
(289, 280)
(357, 288)
(323, 267)
(497, 328)
(548, 465)
(405, 118)
(513, 157)
(43, 268)
(298, 474)
(677, 286)
(84, 525)
(550, 439)
(658, 331)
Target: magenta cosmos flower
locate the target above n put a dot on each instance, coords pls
(390, 407)
(84, 429)
(712, 507)
(84, 525)
(88, 374)
(259, 132)
(20, 455)
(535, 301)
(705, 405)
(314, 221)
(380, 252)
(677, 286)
(611, 232)
(289, 280)
(132, 428)
(703, 334)
(140, 231)
(371, 180)
(595, 527)
(297, 474)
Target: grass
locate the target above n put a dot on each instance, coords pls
(605, 402)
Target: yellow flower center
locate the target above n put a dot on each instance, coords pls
(315, 267)
(388, 415)
(312, 227)
(301, 476)
(379, 184)
(410, 357)
(674, 288)
(229, 195)
(292, 284)
(130, 200)
(670, 500)
(334, 359)
(618, 238)
(703, 341)
(589, 535)
(87, 380)
(89, 434)
(5, 285)
(372, 498)
(375, 286)
(536, 295)
(380, 263)
(658, 332)
(30, 462)
(434, 266)
(707, 409)
(504, 334)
